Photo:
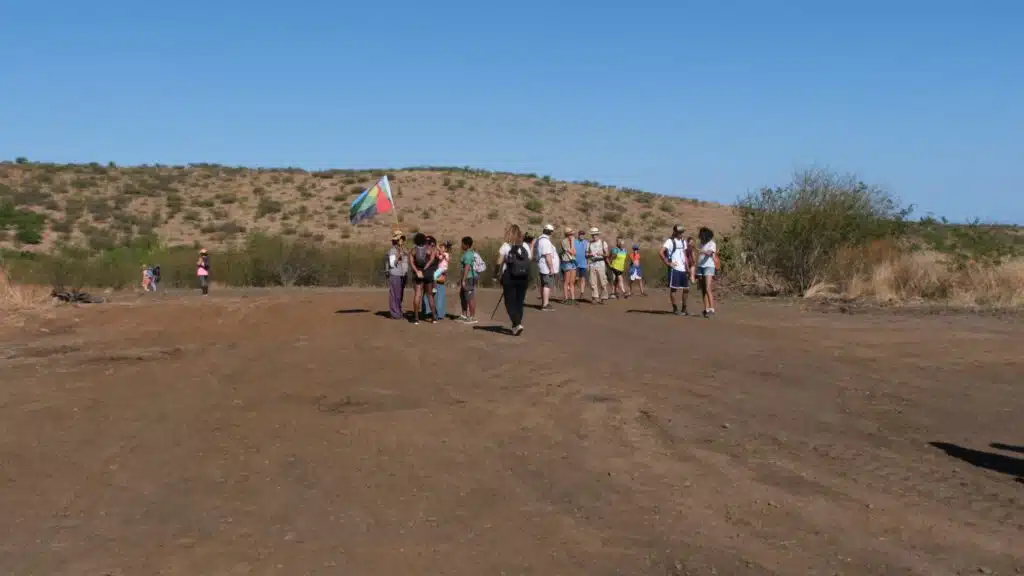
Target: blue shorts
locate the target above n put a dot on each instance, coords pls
(678, 279)
(706, 271)
(568, 266)
(581, 268)
(634, 273)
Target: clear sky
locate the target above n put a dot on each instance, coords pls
(704, 99)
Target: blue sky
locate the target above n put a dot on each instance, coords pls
(700, 99)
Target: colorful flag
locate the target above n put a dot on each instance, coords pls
(373, 201)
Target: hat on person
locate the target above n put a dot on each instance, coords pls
(636, 246)
(397, 235)
(569, 230)
(549, 227)
(594, 230)
(202, 251)
(678, 229)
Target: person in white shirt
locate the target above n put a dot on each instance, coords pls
(597, 259)
(675, 255)
(707, 264)
(547, 263)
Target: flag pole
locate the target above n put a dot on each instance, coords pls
(394, 192)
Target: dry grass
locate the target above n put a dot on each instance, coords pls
(884, 273)
(19, 300)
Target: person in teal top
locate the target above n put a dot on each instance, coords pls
(467, 291)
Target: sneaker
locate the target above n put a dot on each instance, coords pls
(463, 318)
(548, 308)
(471, 321)
(517, 330)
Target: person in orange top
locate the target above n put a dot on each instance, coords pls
(635, 274)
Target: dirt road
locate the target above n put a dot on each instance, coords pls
(300, 433)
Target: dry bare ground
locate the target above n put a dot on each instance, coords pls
(214, 205)
(259, 432)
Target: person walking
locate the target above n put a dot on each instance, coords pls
(597, 260)
(568, 247)
(203, 271)
(674, 255)
(580, 244)
(707, 265)
(513, 267)
(397, 270)
(147, 278)
(547, 264)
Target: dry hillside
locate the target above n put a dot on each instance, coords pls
(100, 206)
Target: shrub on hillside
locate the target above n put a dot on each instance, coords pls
(26, 224)
(793, 233)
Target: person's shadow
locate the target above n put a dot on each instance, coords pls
(1009, 465)
(494, 330)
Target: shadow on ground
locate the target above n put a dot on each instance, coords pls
(987, 460)
(1007, 447)
(494, 330)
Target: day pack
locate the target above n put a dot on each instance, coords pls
(156, 273)
(479, 266)
(517, 262)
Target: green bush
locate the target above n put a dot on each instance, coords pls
(972, 243)
(534, 205)
(795, 232)
(27, 225)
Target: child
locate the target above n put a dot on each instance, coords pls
(203, 271)
(467, 288)
(707, 264)
(440, 278)
(147, 278)
(617, 264)
(635, 275)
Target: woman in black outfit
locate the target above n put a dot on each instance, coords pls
(513, 286)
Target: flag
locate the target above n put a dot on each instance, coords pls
(373, 201)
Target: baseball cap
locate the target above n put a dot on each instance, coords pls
(397, 235)
(636, 246)
(549, 227)
(678, 228)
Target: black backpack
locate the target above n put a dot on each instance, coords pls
(517, 262)
(156, 273)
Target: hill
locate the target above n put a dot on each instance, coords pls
(96, 206)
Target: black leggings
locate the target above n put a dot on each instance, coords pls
(514, 290)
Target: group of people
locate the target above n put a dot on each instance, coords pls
(577, 259)
(151, 274)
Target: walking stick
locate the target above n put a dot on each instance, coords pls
(495, 311)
